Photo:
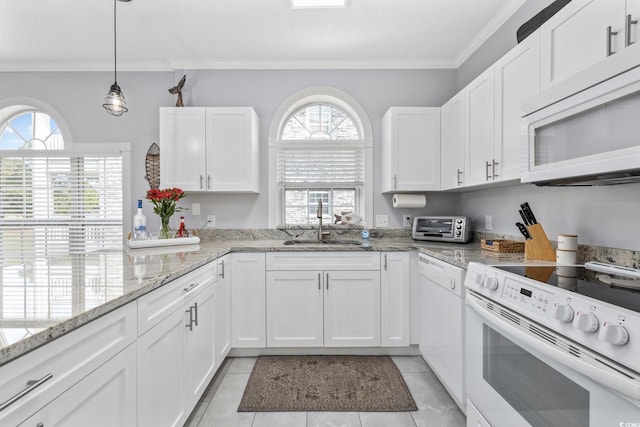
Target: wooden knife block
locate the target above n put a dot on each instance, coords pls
(538, 247)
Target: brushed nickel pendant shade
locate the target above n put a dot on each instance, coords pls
(115, 103)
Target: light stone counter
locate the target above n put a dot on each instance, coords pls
(44, 298)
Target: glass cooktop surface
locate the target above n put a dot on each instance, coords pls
(617, 290)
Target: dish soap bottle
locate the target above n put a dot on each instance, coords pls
(365, 238)
(139, 224)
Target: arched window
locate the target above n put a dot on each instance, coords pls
(31, 130)
(321, 153)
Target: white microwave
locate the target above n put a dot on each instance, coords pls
(589, 138)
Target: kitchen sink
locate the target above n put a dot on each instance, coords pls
(322, 242)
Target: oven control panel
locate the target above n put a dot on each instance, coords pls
(532, 299)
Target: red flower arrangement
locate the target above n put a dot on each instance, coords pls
(164, 204)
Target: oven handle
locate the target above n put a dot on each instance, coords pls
(609, 378)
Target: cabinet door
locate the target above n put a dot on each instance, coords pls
(352, 309)
(232, 149)
(480, 127)
(104, 398)
(413, 145)
(576, 38)
(161, 373)
(517, 77)
(182, 148)
(248, 300)
(294, 309)
(223, 314)
(200, 348)
(395, 300)
(452, 130)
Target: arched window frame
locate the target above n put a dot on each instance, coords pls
(341, 100)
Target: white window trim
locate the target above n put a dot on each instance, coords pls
(319, 94)
(12, 107)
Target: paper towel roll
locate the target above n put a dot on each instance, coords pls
(409, 200)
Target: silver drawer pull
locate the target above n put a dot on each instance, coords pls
(610, 34)
(195, 308)
(221, 274)
(191, 286)
(190, 325)
(486, 170)
(627, 30)
(31, 385)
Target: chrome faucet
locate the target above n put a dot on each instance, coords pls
(321, 234)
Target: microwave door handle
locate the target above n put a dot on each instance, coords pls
(610, 378)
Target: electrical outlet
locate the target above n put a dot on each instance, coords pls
(488, 222)
(406, 220)
(211, 221)
(382, 220)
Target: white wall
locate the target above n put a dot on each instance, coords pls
(78, 97)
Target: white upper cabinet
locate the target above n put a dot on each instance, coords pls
(481, 162)
(517, 77)
(587, 32)
(452, 126)
(411, 149)
(209, 149)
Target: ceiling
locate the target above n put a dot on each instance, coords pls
(58, 35)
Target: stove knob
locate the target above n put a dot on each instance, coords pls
(615, 334)
(585, 322)
(563, 313)
(490, 283)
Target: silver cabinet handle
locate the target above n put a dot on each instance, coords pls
(221, 274)
(486, 170)
(610, 34)
(459, 180)
(195, 308)
(190, 325)
(327, 281)
(201, 182)
(31, 385)
(385, 261)
(208, 182)
(191, 286)
(627, 30)
(319, 280)
(395, 182)
(494, 164)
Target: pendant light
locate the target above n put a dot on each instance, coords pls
(114, 102)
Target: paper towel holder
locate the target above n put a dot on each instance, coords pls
(409, 200)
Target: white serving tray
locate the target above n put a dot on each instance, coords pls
(153, 243)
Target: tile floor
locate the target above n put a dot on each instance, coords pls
(220, 402)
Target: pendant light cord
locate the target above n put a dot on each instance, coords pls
(115, 43)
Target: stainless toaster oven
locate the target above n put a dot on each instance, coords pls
(442, 228)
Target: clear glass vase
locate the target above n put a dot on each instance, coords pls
(165, 231)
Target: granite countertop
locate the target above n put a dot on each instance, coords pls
(49, 298)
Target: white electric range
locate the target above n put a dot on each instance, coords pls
(552, 346)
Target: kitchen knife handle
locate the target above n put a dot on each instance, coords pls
(523, 216)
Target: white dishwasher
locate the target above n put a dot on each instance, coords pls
(442, 323)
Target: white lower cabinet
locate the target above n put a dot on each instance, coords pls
(395, 299)
(352, 309)
(295, 309)
(307, 306)
(248, 300)
(223, 313)
(177, 356)
(104, 398)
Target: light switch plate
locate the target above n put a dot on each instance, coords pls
(488, 222)
(382, 220)
(195, 209)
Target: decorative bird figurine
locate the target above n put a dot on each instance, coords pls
(178, 89)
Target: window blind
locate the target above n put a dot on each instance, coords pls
(58, 214)
(330, 167)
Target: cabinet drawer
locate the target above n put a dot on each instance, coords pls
(158, 304)
(355, 260)
(60, 364)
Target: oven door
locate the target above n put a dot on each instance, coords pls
(518, 378)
